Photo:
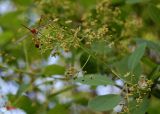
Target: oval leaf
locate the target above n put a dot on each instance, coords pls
(59, 109)
(136, 56)
(94, 79)
(141, 109)
(53, 70)
(150, 44)
(121, 69)
(154, 13)
(104, 102)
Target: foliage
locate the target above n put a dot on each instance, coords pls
(92, 43)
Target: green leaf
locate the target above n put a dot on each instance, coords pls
(150, 44)
(104, 102)
(135, 1)
(5, 37)
(154, 106)
(122, 69)
(154, 13)
(95, 79)
(52, 95)
(23, 88)
(53, 70)
(136, 56)
(59, 109)
(26, 104)
(156, 73)
(88, 3)
(142, 107)
(9, 19)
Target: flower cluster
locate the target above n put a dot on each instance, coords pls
(70, 29)
(138, 92)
